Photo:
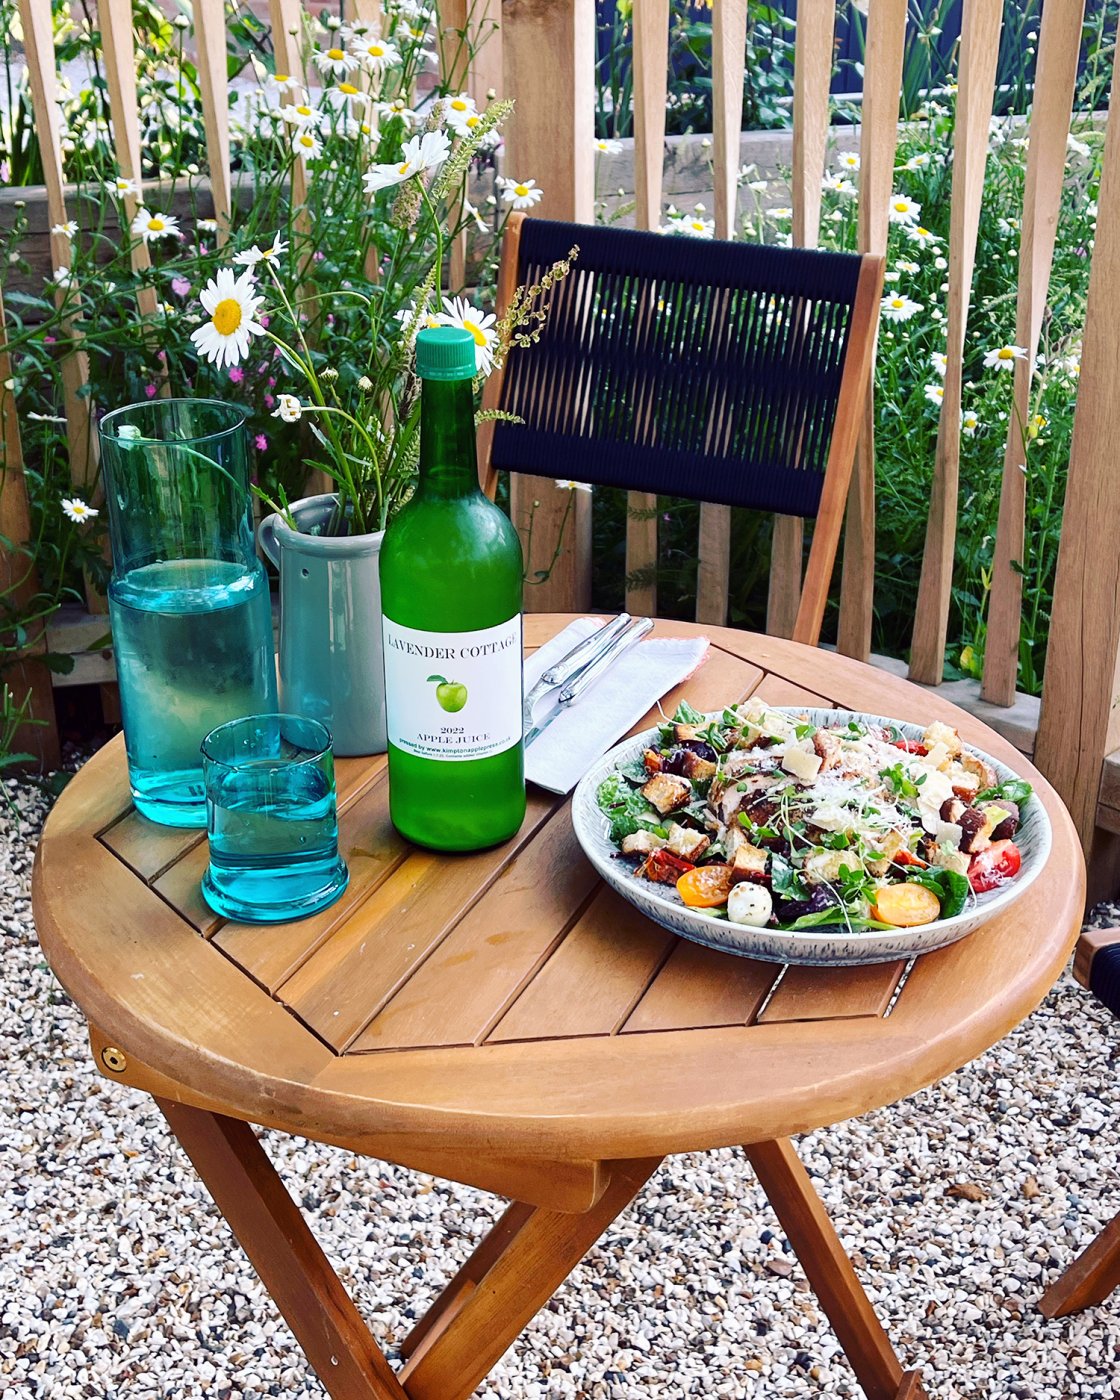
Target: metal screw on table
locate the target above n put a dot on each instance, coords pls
(114, 1059)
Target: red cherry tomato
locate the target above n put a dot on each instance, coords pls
(911, 746)
(994, 866)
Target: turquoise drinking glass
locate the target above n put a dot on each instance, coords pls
(189, 600)
(271, 819)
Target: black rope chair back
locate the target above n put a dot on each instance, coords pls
(717, 371)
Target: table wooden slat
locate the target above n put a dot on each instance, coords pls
(701, 987)
(146, 847)
(593, 980)
(469, 982)
(346, 981)
(833, 993)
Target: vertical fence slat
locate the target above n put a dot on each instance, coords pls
(39, 49)
(115, 20)
(882, 85)
(549, 58)
(651, 80)
(812, 74)
(1080, 719)
(729, 46)
(213, 79)
(28, 677)
(285, 21)
(980, 26)
(1055, 80)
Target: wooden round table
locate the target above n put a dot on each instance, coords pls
(503, 1019)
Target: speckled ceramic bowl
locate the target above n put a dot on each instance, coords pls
(818, 947)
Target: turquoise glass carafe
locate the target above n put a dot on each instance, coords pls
(188, 600)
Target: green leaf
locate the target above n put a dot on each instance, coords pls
(624, 807)
(685, 714)
(442, 680)
(784, 880)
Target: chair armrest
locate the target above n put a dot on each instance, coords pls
(1088, 946)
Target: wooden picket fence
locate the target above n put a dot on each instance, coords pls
(542, 55)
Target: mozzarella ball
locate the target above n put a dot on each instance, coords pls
(750, 904)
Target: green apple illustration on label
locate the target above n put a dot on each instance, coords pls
(451, 695)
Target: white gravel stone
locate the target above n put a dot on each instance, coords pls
(119, 1278)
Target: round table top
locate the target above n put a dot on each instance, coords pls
(506, 1003)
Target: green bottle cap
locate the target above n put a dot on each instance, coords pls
(445, 352)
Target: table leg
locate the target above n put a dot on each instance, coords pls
(526, 1257)
(291, 1265)
(829, 1270)
(1090, 1278)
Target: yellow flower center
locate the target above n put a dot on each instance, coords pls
(458, 105)
(473, 121)
(375, 51)
(283, 78)
(156, 225)
(307, 141)
(349, 89)
(227, 316)
(521, 191)
(335, 55)
(403, 168)
(922, 232)
(476, 331)
(1006, 353)
(901, 206)
(698, 225)
(898, 302)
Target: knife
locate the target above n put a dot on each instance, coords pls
(571, 663)
(593, 671)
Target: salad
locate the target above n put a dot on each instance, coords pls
(766, 819)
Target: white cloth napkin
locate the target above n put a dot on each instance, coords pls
(563, 753)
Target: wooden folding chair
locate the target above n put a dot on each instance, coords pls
(1096, 1271)
(731, 373)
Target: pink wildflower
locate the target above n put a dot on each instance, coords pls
(150, 390)
(180, 286)
(269, 401)
(260, 442)
(236, 375)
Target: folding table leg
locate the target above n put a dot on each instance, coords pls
(1090, 1278)
(829, 1270)
(477, 1318)
(287, 1257)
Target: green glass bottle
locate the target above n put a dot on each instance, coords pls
(451, 575)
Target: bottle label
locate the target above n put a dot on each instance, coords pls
(453, 695)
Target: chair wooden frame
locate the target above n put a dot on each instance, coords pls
(1096, 1271)
(838, 471)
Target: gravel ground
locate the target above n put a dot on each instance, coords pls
(118, 1278)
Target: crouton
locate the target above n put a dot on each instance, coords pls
(886, 848)
(666, 793)
(652, 761)
(824, 867)
(642, 843)
(938, 733)
(687, 843)
(700, 770)
(684, 732)
(984, 772)
(965, 785)
(748, 863)
(946, 858)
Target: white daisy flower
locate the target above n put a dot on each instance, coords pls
(899, 307)
(66, 230)
(62, 277)
(231, 303)
(1076, 147)
(574, 486)
(922, 236)
(903, 209)
(419, 153)
(458, 111)
(692, 225)
(306, 143)
(75, 509)
(334, 63)
(969, 423)
(935, 393)
(251, 256)
(606, 147)
(848, 160)
(375, 55)
(917, 162)
(837, 184)
(280, 83)
(758, 186)
(521, 194)
(905, 265)
(289, 408)
(939, 362)
(891, 276)
(121, 187)
(781, 213)
(152, 226)
(302, 114)
(459, 312)
(345, 97)
(1004, 357)
(1008, 227)
(407, 314)
(472, 213)
(206, 225)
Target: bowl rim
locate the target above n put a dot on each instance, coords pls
(620, 877)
